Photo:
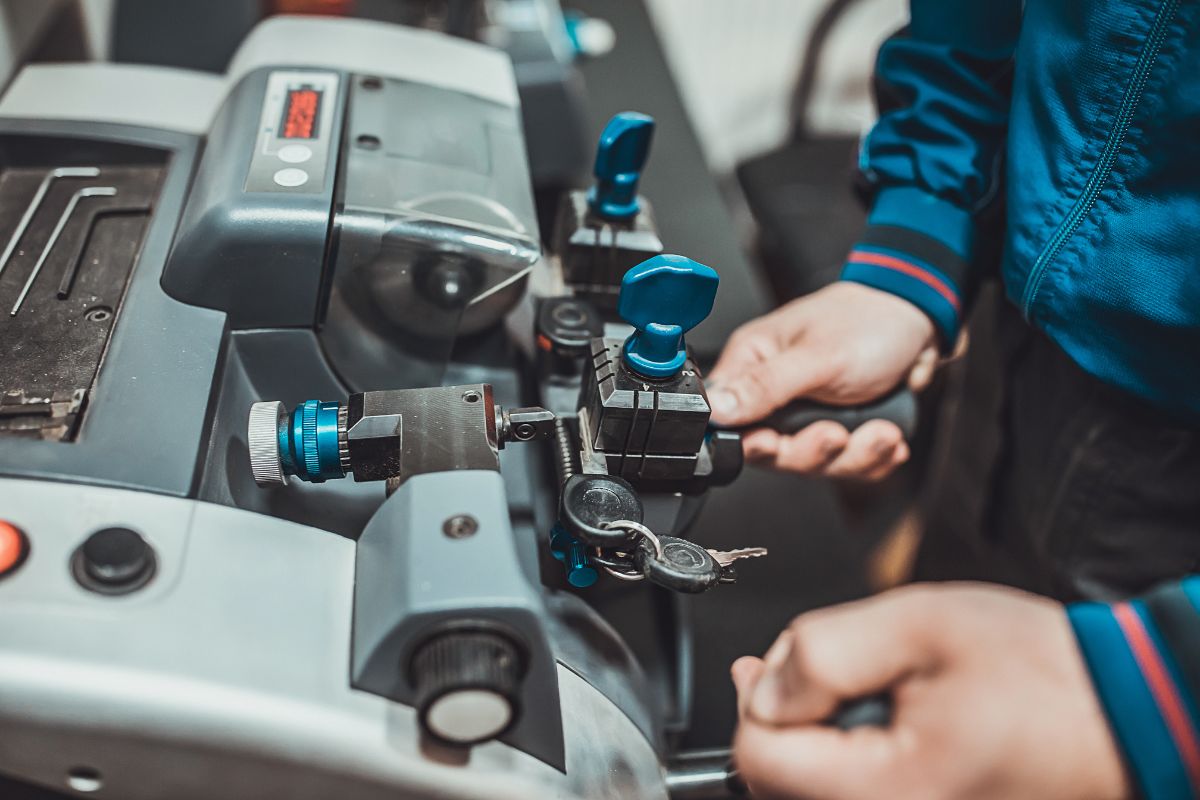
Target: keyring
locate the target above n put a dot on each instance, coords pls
(638, 528)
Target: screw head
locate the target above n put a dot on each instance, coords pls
(460, 526)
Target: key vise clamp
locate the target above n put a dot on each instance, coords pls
(643, 408)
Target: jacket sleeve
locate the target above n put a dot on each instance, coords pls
(933, 160)
(1144, 658)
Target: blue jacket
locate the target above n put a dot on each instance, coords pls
(1083, 119)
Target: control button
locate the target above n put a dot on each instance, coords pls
(114, 561)
(467, 683)
(295, 153)
(291, 177)
(13, 548)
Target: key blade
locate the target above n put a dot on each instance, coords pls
(727, 557)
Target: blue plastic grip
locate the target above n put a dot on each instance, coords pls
(308, 443)
(620, 156)
(664, 297)
(574, 556)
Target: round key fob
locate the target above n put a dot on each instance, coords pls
(685, 566)
(589, 501)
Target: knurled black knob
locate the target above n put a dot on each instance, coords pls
(566, 326)
(114, 561)
(467, 683)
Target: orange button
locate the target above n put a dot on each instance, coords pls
(12, 547)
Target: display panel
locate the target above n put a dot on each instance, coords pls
(300, 114)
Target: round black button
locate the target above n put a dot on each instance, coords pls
(114, 561)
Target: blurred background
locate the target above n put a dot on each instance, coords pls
(760, 106)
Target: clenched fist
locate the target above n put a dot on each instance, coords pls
(992, 702)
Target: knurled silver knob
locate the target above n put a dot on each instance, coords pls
(262, 433)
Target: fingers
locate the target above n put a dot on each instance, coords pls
(745, 673)
(872, 452)
(762, 387)
(749, 345)
(807, 452)
(921, 374)
(759, 341)
(817, 762)
(842, 653)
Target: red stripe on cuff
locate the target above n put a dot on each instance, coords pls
(1163, 688)
(909, 269)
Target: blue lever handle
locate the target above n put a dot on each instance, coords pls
(664, 297)
(620, 156)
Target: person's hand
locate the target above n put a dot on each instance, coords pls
(992, 700)
(845, 344)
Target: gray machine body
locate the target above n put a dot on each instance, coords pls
(227, 675)
(263, 657)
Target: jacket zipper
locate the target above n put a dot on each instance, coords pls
(1112, 147)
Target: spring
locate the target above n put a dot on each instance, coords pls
(566, 456)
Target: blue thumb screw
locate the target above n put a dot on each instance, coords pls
(620, 156)
(569, 550)
(664, 297)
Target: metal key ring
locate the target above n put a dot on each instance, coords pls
(640, 529)
(609, 566)
(615, 569)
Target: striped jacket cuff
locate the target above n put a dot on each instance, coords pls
(1144, 659)
(919, 247)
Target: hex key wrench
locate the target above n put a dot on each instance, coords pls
(90, 191)
(68, 278)
(36, 202)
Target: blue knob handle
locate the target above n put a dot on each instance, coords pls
(624, 145)
(308, 442)
(664, 297)
(572, 552)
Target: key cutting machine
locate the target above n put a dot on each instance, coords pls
(309, 455)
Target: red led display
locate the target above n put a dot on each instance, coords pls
(300, 114)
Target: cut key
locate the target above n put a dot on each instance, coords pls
(726, 558)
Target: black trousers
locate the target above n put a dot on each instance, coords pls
(1055, 482)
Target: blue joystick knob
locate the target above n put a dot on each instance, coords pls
(664, 297)
(624, 145)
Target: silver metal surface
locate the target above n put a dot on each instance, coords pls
(435, 429)
(90, 191)
(641, 532)
(226, 676)
(704, 775)
(725, 558)
(262, 436)
(36, 202)
(343, 444)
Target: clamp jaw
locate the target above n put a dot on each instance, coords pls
(643, 409)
